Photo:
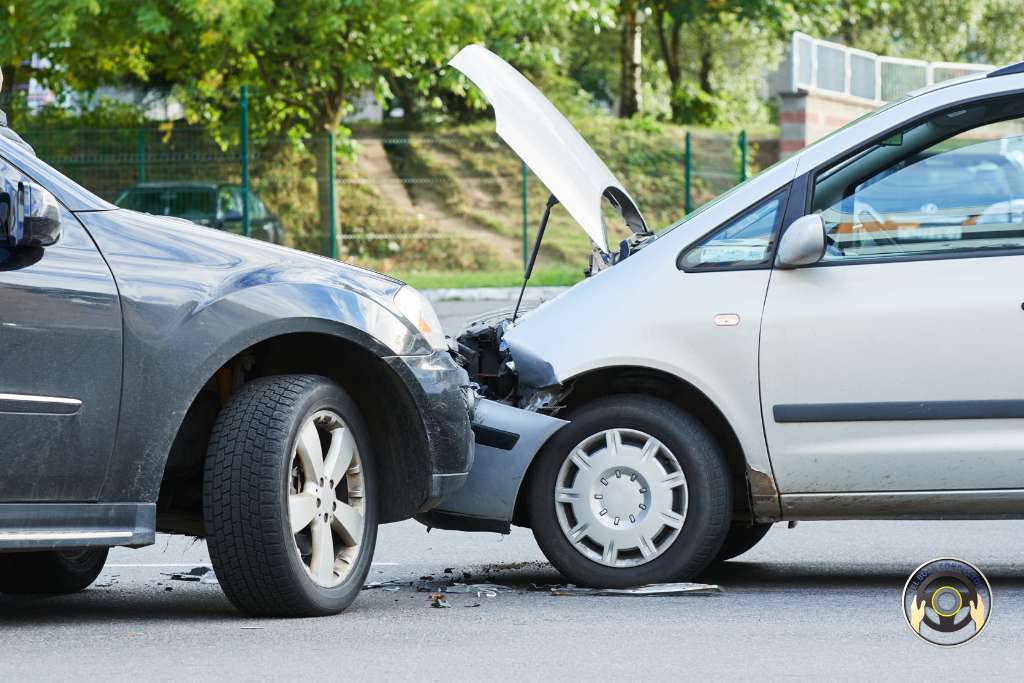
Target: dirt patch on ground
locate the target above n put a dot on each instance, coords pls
(373, 164)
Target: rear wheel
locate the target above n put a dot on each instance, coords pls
(50, 572)
(633, 491)
(741, 538)
(290, 497)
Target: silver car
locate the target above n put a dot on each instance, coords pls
(837, 338)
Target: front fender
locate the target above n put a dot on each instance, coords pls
(171, 371)
(665, 323)
(192, 299)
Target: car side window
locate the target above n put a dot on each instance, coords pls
(744, 242)
(952, 184)
(227, 203)
(256, 209)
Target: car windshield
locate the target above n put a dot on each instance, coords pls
(737, 188)
(184, 202)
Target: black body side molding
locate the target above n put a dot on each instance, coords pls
(899, 411)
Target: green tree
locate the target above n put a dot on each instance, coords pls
(933, 30)
(694, 97)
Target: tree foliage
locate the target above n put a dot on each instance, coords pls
(306, 61)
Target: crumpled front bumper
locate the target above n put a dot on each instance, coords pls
(507, 440)
(446, 401)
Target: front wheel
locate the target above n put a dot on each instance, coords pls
(50, 572)
(633, 491)
(289, 497)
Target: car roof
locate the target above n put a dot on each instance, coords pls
(1008, 70)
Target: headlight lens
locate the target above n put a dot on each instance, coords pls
(419, 311)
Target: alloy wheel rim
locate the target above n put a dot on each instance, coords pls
(326, 507)
(621, 498)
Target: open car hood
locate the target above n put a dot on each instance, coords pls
(548, 143)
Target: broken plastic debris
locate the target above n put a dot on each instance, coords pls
(438, 600)
(196, 574)
(481, 590)
(655, 589)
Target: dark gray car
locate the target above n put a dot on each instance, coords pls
(156, 375)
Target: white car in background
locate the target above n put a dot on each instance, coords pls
(833, 339)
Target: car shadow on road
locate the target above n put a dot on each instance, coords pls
(754, 575)
(100, 605)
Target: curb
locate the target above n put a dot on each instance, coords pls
(491, 293)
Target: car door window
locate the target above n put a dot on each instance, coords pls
(953, 184)
(227, 202)
(744, 242)
(256, 209)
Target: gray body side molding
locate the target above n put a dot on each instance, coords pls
(487, 501)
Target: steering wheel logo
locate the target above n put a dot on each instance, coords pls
(947, 601)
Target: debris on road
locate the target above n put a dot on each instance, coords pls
(388, 586)
(481, 590)
(111, 581)
(438, 600)
(651, 590)
(196, 574)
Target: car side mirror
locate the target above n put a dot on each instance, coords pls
(231, 217)
(29, 216)
(803, 243)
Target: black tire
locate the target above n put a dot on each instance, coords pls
(740, 539)
(707, 479)
(50, 572)
(245, 494)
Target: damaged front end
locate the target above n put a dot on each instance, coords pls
(519, 396)
(520, 393)
(518, 379)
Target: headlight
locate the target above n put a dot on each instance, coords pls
(418, 310)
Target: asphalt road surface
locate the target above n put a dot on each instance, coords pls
(819, 600)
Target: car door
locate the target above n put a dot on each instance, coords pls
(894, 364)
(60, 366)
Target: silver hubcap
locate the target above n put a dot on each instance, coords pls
(621, 498)
(325, 498)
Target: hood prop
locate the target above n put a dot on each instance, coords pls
(552, 200)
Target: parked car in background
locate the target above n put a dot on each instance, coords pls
(837, 338)
(210, 204)
(161, 376)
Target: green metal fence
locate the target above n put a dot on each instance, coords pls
(454, 199)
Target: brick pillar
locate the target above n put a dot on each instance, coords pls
(807, 116)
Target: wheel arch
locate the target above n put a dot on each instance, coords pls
(348, 356)
(627, 379)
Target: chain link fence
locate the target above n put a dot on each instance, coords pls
(453, 200)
